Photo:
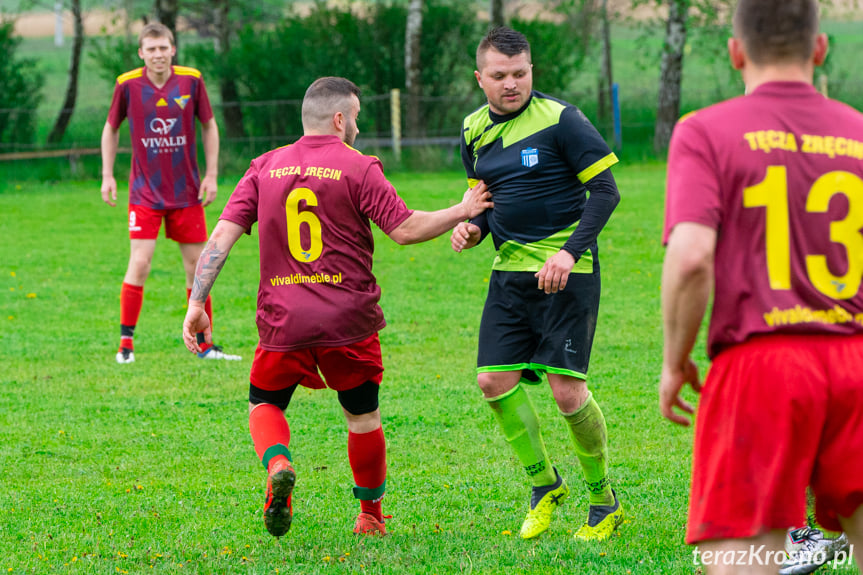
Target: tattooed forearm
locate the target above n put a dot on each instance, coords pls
(209, 265)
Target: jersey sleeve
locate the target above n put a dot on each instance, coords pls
(380, 202)
(242, 207)
(692, 189)
(117, 112)
(584, 149)
(604, 197)
(467, 158)
(203, 109)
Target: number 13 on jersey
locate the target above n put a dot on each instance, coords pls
(772, 194)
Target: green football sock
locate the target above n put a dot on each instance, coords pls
(587, 428)
(514, 411)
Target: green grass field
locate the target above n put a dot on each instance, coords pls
(148, 467)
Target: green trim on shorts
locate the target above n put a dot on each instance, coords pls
(541, 369)
(366, 494)
(515, 367)
(274, 451)
(499, 368)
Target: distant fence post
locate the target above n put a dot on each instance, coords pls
(396, 121)
(615, 104)
(58, 24)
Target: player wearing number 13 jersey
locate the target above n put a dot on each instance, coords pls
(318, 313)
(765, 206)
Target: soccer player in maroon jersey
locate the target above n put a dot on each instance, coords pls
(161, 102)
(764, 207)
(318, 306)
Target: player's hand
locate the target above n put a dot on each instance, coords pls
(109, 190)
(207, 193)
(554, 273)
(670, 384)
(477, 199)
(465, 236)
(196, 321)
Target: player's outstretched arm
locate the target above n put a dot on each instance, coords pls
(687, 278)
(423, 226)
(110, 143)
(215, 253)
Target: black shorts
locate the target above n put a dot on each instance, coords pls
(523, 328)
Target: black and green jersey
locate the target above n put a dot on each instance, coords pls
(535, 162)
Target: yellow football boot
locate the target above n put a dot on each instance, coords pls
(602, 520)
(539, 516)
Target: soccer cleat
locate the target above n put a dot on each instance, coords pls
(278, 512)
(367, 524)
(215, 352)
(125, 355)
(807, 550)
(539, 517)
(602, 520)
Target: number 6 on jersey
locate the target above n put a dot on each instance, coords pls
(295, 219)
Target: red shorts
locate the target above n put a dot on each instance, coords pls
(342, 368)
(183, 225)
(778, 413)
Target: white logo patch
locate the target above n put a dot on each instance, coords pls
(162, 127)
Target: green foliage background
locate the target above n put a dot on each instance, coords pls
(20, 90)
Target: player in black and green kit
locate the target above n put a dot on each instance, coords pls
(548, 170)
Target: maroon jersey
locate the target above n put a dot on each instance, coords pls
(162, 125)
(313, 201)
(779, 174)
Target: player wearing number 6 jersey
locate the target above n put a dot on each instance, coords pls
(318, 314)
(765, 207)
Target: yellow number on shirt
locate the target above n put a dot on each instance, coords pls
(845, 232)
(296, 218)
(772, 193)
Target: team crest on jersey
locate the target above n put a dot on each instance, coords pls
(529, 157)
(182, 101)
(161, 103)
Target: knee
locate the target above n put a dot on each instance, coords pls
(140, 263)
(495, 384)
(363, 423)
(486, 383)
(571, 396)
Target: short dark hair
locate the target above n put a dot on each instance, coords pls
(505, 40)
(777, 30)
(326, 96)
(155, 30)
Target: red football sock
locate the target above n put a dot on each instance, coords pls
(270, 434)
(208, 308)
(131, 301)
(367, 453)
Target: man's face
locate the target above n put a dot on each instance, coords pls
(351, 129)
(157, 54)
(506, 81)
